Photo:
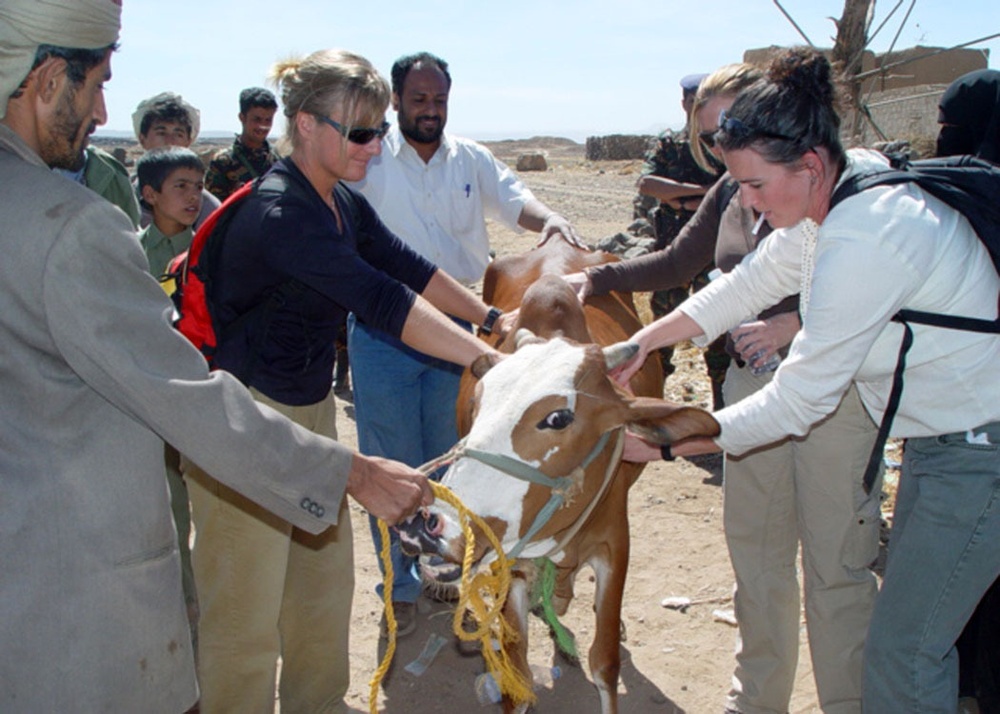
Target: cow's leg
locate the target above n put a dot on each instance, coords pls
(515, 612)
(563, 594)
(610, 564)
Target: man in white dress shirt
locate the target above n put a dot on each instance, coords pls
(434, 191)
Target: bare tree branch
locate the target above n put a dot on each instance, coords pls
(882, 24)
(794, 24)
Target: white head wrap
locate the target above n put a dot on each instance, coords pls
(26, 24)
(146, 104)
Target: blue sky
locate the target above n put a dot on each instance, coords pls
(570, 68)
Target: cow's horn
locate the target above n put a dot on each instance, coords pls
(523, 337)
(619, 353)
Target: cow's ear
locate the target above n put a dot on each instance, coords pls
(483, 364)
(662, 422)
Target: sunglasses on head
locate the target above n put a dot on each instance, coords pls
(356, 136)
(740, 131)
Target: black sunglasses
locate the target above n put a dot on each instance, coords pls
(708, 137)
(356, 136)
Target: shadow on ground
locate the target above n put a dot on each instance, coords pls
(448, 684)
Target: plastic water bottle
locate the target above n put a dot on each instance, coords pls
(487, 689)
(771, 363)
(768, 365)
(544, 676)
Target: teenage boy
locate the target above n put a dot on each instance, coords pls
(250, 155)
(171, 181)
(167, 120)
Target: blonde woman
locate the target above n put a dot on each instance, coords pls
(309, 250)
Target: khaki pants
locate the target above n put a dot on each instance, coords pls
(806, 490)
(267, 589)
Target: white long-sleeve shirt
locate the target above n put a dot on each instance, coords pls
(882, 250)
(439, 208)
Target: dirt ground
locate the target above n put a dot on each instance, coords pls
(672, 661)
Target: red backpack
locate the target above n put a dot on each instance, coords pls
(191, 273)
(191, 276)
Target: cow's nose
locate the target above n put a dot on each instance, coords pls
(433, 525)
(420, 532)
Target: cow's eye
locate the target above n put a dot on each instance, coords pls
(559, 419)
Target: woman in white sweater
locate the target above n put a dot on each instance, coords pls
(855, 266)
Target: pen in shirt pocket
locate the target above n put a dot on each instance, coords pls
(468, 188)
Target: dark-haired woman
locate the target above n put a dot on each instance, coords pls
(855, 266)
(804, 491)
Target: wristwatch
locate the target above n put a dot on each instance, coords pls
(491, 320)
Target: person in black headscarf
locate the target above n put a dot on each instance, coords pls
(969, 115)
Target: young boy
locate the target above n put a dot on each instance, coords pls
(167, 120)
(170, 182)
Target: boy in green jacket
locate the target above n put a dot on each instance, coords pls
(171, 181)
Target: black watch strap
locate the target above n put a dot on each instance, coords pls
(491, 320)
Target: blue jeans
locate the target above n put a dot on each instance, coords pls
(404, 408)
(944, 553)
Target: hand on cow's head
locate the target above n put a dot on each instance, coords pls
(484, 363)
(628, 360)
(505, 323)
(639, 451)
(619, 354)
(659, 421)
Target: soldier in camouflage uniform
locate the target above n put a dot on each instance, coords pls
(671, 158)
(250, 155)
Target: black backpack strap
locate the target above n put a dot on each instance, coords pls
(954, 322)
(727, 191)
(926, 318)
(950, 195)
(878, 449)
(858, 183)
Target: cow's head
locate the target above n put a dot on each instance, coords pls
(544, 408)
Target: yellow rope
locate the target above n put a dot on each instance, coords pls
(483, 595)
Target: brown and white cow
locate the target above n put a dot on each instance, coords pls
(550, 409)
